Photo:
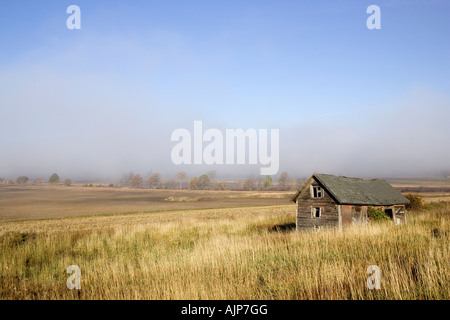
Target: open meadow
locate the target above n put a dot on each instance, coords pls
(221, 253)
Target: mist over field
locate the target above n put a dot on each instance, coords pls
(101, 101)
(103, 143)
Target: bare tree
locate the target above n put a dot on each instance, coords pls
(219, 185)
(182, 176)
(67, 182)
(154, 180)
(136, 181)
(193, 184)
(125, 179)
(250, 183)
(204, 182)
(283, 181)
(1, 180)
(22, 180)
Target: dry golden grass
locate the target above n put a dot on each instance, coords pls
(223, 254)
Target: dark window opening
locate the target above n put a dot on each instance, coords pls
(317, 192)
(389, 213)
(317, 212)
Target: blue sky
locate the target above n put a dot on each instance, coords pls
(104, 99)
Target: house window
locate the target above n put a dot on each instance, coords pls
(317, 192)
(390, 213)
(316, 212)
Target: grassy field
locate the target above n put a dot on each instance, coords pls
(224, 253)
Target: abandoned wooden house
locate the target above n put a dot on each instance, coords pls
(331, 201)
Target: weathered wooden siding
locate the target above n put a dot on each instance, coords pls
(346, 214)
(305, 202)
(364, 217)
(353, 214)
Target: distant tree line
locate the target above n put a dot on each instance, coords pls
(24, 180)
(283, 183)
(181, 180)
(208, 181)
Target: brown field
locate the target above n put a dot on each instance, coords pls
(42, 202)
(422, 186)
(432, 190)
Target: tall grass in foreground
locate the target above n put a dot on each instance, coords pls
(224, 254)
